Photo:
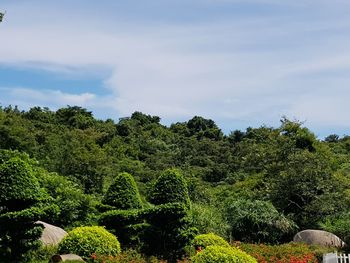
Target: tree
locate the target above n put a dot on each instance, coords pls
(20, 196)
(306, 179)
(123, 193)
(204, 128)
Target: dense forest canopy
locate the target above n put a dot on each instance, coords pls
(288, 178)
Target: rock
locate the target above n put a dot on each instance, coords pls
(62, 258)
(51, 235)
(318, 237)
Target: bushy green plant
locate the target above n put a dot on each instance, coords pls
(43, 253)
(74, 206)
(219, 254)
(170, 187)
(123, 193)
(170, 231)
(88, 240)
(20, 197)
(205, 240)
(127, 225)
(257, 221)
(209, 219)
(338, 225)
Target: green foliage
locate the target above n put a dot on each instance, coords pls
(74, 207)
(205, 240)
(257, 221)
(201, 127)
(43, 253)
(304, 178)
(219, 254)
(338, 225)
(85, 241)
(170, 187)
(127, 225)
(20, 195)
(170, 231)
(296, 189)
(209, 219)
(123, 193)
(18, 186)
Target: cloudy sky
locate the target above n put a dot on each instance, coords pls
(240, 62)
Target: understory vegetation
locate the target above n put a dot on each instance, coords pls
(153, 192)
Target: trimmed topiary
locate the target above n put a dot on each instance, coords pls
(19, 188)
(170, 187)
(210, 239)
(170, 231)
(88, 240)
(20, 197)
(218, 254)
(123, 193)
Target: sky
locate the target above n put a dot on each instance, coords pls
(239, 62)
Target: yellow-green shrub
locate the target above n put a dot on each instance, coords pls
(210, 239)
(85, 241)
(218, 254)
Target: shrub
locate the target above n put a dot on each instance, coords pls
(286, 253)
(74, 207)
(210, 239)
(218, 254)
(20, 197)
(85, 241)
(257, 221)
(209, 219)
(170, 231)
(123, 193)
(339, 225)
(127, 225)
(43, 253)
(170, 187)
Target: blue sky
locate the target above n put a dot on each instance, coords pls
(240, 62)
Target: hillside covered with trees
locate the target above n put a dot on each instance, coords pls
(156, 187)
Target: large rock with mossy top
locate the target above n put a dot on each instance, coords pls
(318, 237)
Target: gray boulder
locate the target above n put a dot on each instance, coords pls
(318, 237)
(52, 235)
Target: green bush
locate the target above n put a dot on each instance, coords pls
(127, 225)
(20, 200)
(218, 254)
(338, 225)
(74, 206)
(170, 187)
(257, 221)
(18, 186)
(123, 193)
(209, 219)
(85, 241)
(210, 239)
(170, 231)
(43, 253)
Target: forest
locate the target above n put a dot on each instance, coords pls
(156, 193)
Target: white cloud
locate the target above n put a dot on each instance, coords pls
(248, 68)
